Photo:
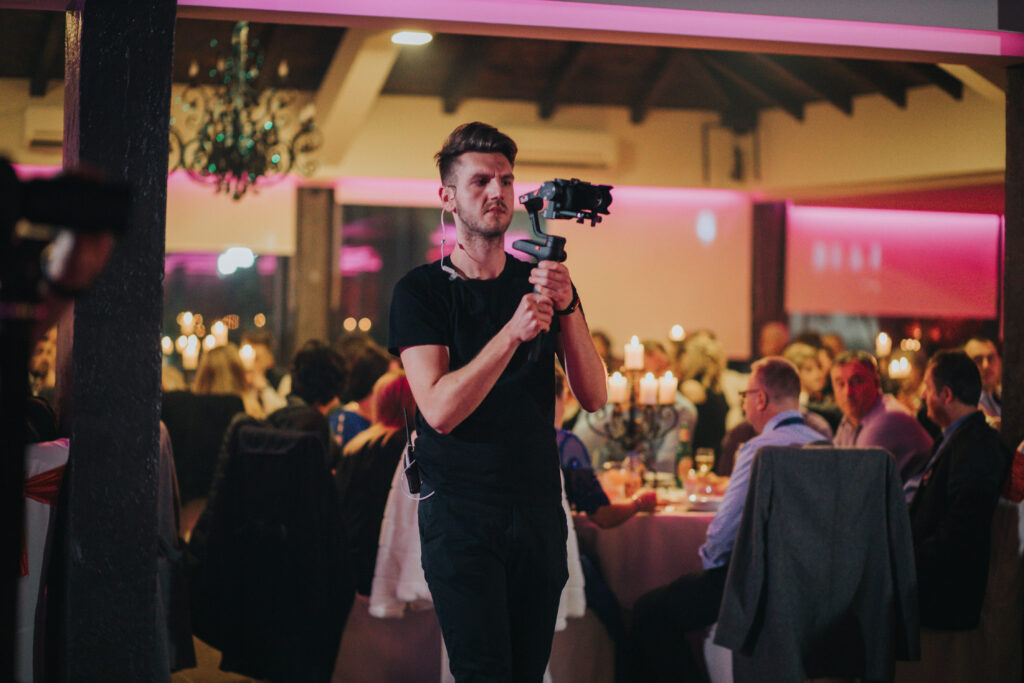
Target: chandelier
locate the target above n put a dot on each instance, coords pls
(243, 136)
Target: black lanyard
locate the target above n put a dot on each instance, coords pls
(789, 421)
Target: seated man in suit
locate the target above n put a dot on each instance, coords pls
(951, 510)
(985, 355)
(868, 421)
(663, 616)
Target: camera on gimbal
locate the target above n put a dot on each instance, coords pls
(572, 199)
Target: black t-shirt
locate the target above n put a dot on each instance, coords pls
(505, 449)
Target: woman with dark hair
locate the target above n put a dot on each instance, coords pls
(366, 469)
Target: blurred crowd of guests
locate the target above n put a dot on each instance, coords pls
(353, 396)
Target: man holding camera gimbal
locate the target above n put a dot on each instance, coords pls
(492, 528)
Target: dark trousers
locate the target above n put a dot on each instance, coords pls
(496, 574)
(661, 620)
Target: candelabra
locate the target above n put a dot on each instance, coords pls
(635, 428)
(640, 411)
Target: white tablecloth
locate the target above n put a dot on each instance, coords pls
(646, 552)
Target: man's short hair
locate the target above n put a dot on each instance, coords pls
(319, 373)
(862, 358)
(366, 365)
(955, 369)
(779, 377)
(473, 137)
(982, 339)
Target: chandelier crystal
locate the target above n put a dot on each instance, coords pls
(243, 137)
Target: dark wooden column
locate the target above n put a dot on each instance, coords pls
(768, 271)
(312, 266)
(116, 109)
(1013, 262)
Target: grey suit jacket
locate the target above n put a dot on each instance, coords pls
(822, 580)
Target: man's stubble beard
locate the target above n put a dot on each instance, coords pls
(474, 232)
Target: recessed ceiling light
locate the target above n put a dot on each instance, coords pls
(411, 38)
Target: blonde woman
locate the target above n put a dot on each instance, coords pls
(221, 372)
(701, 367)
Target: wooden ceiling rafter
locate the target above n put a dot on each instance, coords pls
(562, 74)
(49, 51)
(734, 65)
(654, 80)
(949, 83)
(888, 87)
(816, 80)
(270, 46)
(739, 111)
(462, 72)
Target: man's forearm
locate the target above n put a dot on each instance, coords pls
(583, 367)
(454, 395)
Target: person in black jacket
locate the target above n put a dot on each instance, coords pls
(951, 511)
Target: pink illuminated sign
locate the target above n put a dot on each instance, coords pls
(896, 263)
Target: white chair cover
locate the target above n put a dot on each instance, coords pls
(39, 458)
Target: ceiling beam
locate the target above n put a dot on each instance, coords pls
(979, 81)
(739, 107)
(652, 83)
(471, 57)
(952, 85)
(736, 66)
(562, 74)
(350, 88)
(808, 74)
(273, 53)
(891, 89)
(50, 50)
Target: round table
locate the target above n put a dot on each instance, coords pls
(648, 551)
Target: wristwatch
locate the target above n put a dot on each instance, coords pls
(573, 305)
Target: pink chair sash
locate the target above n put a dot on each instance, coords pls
(42, 488)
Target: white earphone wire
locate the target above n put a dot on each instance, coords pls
(452, 274)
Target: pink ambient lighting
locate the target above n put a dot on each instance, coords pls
(29, 172)
(590, 18)
(359, 259)
(888, 262)
(375, 191)
(205, 263)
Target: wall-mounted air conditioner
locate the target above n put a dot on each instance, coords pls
(44, 128)
(563, 146)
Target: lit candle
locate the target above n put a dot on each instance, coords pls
(190, 357)
(167, 346)
(209, 342)
(181, 343)
(220, 332)
(188, 323)
(899, 368)
(634, 354)
(677, 333)
(648, 389)
(883, 345)
(618, 388)
(248, 355)
(667, 388)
